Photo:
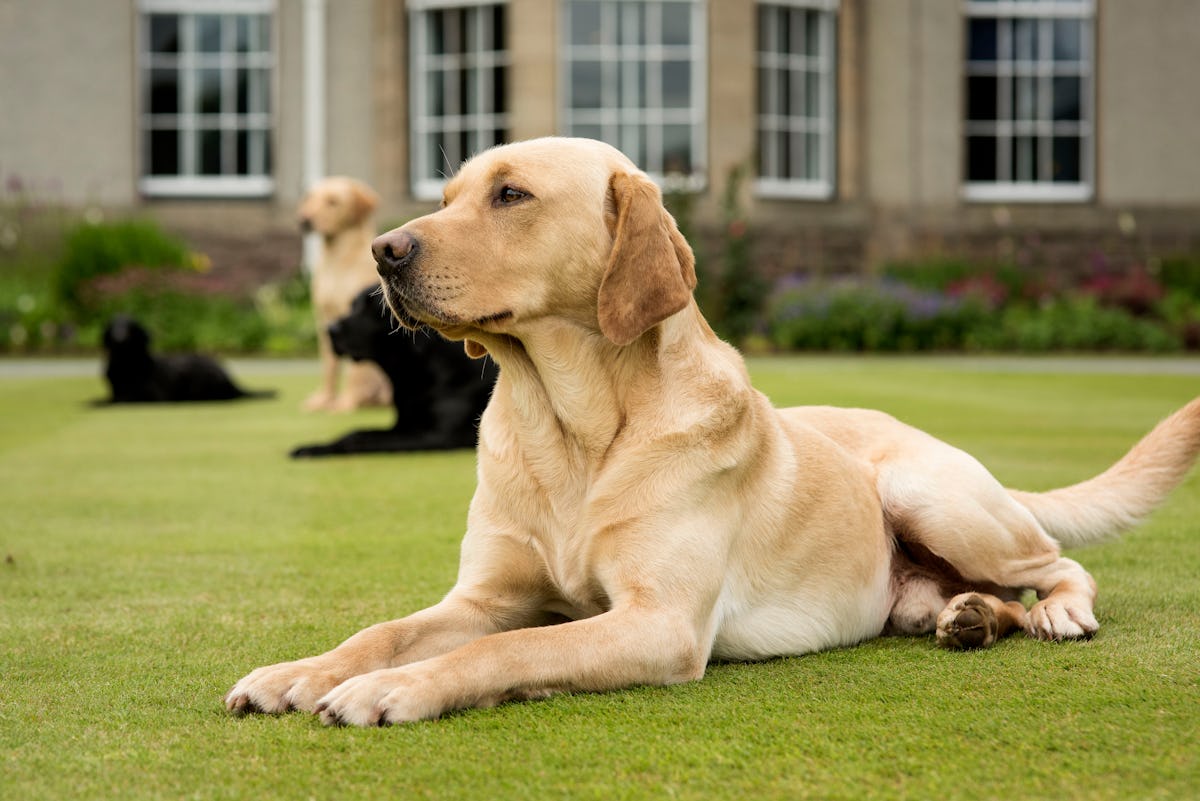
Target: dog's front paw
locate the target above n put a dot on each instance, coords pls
(379, 698)
(279, 688)
(1058, 619)
(967, 622)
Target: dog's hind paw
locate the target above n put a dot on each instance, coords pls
(1052, 619)
(967, 622)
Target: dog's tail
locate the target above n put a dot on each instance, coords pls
(1120, 497)
(258, 393)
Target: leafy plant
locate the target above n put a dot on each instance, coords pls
(94, 250)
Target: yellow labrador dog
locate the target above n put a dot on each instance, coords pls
(341, 210)
(641, 509)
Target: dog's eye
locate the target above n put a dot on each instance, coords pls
(509, 195)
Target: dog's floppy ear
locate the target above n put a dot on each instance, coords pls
(474, 349)
(651, 270)
(365, 200)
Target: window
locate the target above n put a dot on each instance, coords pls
(1029, 109)
(206, 73)
(633, 76)
(459, 87)
(796, 93)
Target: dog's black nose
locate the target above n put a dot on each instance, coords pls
(393, 251)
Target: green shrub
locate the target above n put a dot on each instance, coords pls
(92, 251)
(854, 314)
(1073, 324)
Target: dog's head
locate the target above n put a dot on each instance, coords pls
(125, 335)
(336, 204)
(363, 330)
(551, 227)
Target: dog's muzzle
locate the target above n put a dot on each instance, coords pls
(393, 252)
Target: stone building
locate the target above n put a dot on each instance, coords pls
(864, 131)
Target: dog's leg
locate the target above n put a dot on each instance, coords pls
(619, 648)
(977, 620)
(326, 394)
(457, 620)
(943, 499)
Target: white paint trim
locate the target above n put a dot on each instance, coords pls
(236, 186)
(314, 111)
(1026, 193)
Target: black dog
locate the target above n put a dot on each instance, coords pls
(439, 392)
(135, 375)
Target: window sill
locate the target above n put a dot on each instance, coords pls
(774, 189)
(1026, 193)
(207, 187)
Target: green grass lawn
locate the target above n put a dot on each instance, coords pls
(149, 557)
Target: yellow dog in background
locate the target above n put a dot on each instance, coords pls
(642, 509)
(341, 210)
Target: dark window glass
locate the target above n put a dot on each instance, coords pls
(981, 158)
(209, 141)
(164, 151)
(164, 91)
(164, 33)
(208, 33)
(981, 40)
(1067, 159)
(981, 97)
(1067, 91)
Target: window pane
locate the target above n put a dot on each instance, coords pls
(633, 143)
(499, 90)
(1066, 167)
(208, 91)
(1068, 40)
(499, 33)
(631, 91)
(209, 155)
(164, 151)
(208, 33)
(676, 84)
(587, 131)
(1025, 98)
(585, 84)
(812, 95)
(631, 23)
(676, 23)
(1067, 93)
(764, 144)
(243, 152)
(769, 25)
(164, 91)
(981, 40)
(164, 33)
(435, 98)
(1025, 39)
(812, 157)
(812, 28)
(585, 22)
(981, 158)
(766, 98)
(241, 34)
(677, 149)
(1025, 158)
(981, 97)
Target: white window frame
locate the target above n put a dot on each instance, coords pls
(824, 125)
(478, 125)
(618, 125)
(189, 183)
(1043, 126)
